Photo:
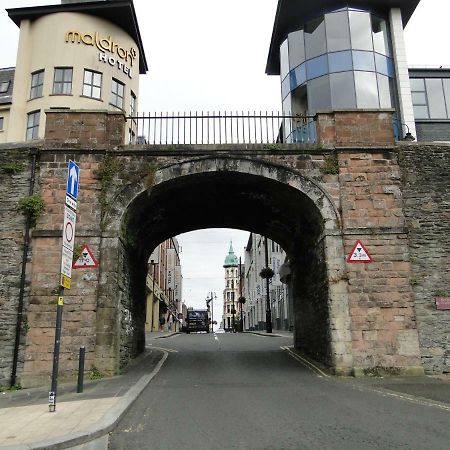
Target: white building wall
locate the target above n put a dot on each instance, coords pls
(401, 68)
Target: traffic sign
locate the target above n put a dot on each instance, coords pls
(73, 179)
(86, 259)
(71, 202)
(66, 262)
(359, 254)
(64, 281)
(70, 218)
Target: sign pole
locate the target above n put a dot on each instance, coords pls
(68, 232)
(56, 349)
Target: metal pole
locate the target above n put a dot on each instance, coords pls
(233, 311)
(268, 311)
(240, 294)
(212, 313)
(153, 296)
(57, 346)
(81, 370)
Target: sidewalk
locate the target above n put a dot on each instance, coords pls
(79, 418)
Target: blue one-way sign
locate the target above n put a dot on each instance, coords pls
(73, 177)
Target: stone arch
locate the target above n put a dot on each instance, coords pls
(312, 238)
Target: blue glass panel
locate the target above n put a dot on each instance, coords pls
(340, 61)
(363, 61)
(317, 67)
(285, 87)
(298, 76)
(384, 65)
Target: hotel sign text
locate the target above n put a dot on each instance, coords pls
(117, 52)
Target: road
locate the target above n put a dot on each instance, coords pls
(234, 391)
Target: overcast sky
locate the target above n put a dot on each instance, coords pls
(207, 55)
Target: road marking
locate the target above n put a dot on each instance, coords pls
(305, 363)
(163, 349)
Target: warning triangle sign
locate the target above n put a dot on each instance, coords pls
(359, 254)
(86, 259)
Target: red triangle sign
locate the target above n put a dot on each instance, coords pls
(359, 254)
(86, 260)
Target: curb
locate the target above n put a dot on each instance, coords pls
(259, 333)
(103, 426)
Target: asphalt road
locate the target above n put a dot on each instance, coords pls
(233, 391)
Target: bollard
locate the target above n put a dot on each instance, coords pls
(81, 370)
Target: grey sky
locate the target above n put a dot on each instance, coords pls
(210, 55)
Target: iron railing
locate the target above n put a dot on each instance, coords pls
(221, 128)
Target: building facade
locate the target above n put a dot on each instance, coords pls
(254, 286)
(231, 306)
(165, 305)
(81, 55)
(352, 57)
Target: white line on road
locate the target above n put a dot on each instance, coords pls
(163, 349)
(306, 363)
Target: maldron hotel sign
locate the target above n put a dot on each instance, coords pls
(118, 56)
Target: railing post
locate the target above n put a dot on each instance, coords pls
(81, 370)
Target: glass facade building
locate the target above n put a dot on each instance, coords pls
(340, 60)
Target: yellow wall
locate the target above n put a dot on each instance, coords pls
(42, 45)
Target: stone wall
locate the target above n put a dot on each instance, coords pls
(426, 203)
(104, 312)
(383, 322)
(14, 185)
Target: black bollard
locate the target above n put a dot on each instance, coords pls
(81, 370)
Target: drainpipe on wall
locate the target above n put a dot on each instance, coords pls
(26, 245)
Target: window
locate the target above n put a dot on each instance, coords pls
(361, 31)
(296, 49)
(62, 82)
(338, 32)
(37, 83)
(419, 98)
(284, 59)
(340, 61)
(436, 101)
(366, 90)
(117, 89)
(1, 123)
(33, 125)
(132, 103)
(315, 43)
(4, 86)
(92, 84)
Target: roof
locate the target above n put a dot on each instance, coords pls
(291, 14)
(231, 259)
(429, 72)
(6, 80)
(118, 12)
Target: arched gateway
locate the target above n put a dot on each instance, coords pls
(353, 318)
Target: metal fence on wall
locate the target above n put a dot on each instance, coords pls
(221, 128)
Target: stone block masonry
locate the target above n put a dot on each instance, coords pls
(14, 185)
(394, 199)
(426, 204)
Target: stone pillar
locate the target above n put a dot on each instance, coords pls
(355, 127)
(89, 129)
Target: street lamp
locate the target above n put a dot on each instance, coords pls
(267, 273)
(208, 301)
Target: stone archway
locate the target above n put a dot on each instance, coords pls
(249, 194)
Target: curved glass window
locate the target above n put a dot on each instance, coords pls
(361, 30)
(340, 61)
(319, 94)
(363, 61)
(366, 90)
(315, 43)
(317, 67)
(338, 32)
(384, 65)
(284, 59)
(380, 36)
(296, 48)
(384, 91)
(298, 76)
(342, 90)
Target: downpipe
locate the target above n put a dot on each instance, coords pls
(26, 245)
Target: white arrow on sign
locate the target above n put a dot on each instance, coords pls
(73, 177)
